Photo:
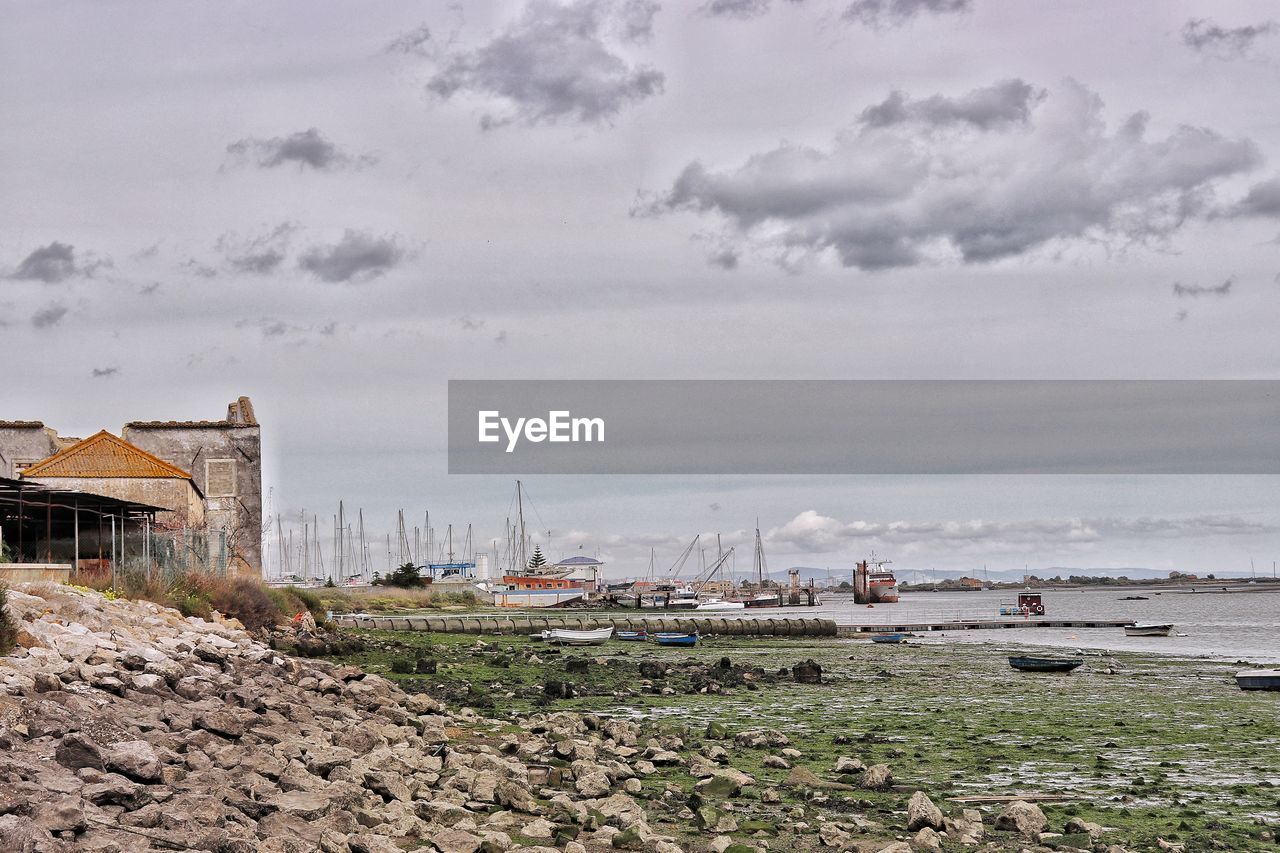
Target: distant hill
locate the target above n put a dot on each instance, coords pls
(907, 574)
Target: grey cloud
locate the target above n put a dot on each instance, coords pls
(736, 8)
(149, 289)
(555, 64)
(50, 315)
(1182, 315)
(471, 324)
(1006, 102)
(415, 42)
(54, 263)
(634, 20)
(1204, 35)
(356, 257)
(890, 196)
(260, 255)
(893, 13)
(104, 372)
(306, 148)
(725, 259)
(1263, 199)
(195, 267)
(501, 337)
(1224, 289)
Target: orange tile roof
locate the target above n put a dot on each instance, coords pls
(104, 455)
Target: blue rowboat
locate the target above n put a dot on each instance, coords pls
(633, 636)
(889, 638)
(669, 638)
(1026, 664)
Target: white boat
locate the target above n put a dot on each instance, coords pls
(569, 637)
(719, 604)
(1147, 630)
(1258, 679)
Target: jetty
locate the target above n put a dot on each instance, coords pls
(530, 624)
(502, 623)
(976, 625)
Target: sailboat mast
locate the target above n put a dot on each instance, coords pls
(524, 561)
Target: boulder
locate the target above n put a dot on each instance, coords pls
(921, 813)
(807, 672)
(877, 777)
(136, 759)
(1024, 818)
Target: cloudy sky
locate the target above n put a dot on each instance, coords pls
(336, 212)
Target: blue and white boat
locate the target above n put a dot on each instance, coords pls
(889, 638)
(672, 638)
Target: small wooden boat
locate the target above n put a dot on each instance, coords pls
(673, 638)
(568, 637)
(889, 638)
(1147, 630)
(631, 636)
(1258, 679)
(1029, 664)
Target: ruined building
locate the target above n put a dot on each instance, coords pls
(205, 476)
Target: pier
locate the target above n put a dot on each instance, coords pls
(709, 626)
(976, 625)
(532, 624)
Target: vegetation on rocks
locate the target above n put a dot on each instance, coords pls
(8, 628)
(125, 726)
(244, 598)
(1152, 748)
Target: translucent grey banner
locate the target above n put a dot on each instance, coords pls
(863, 427)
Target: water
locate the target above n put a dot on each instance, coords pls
(1235, 625)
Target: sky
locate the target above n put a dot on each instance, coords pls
(336, 213)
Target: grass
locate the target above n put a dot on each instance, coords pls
(384, 599)
(1163, 748)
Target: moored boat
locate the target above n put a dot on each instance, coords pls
(889, 638)
(719, 604)
(631, 636)
(1034, 664)
(1147, 630)
(1258, 679)
(675, 638)
(569, 637)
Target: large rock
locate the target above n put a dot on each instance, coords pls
(136, 759)
(456, 841)
(877, 777)
(921, 812)
(75, 751)
(1024, 818)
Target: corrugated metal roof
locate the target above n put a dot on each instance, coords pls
(580, 560)
(104, 455)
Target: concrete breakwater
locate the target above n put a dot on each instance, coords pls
(528, 624)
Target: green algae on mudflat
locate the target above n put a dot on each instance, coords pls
(1151, 747)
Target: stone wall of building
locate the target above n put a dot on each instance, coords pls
(225, 461)
(23, 443)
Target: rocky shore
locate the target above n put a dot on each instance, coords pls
(126, 727)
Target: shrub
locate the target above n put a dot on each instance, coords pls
(403, 666)
(8, 627)
(248, 600)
